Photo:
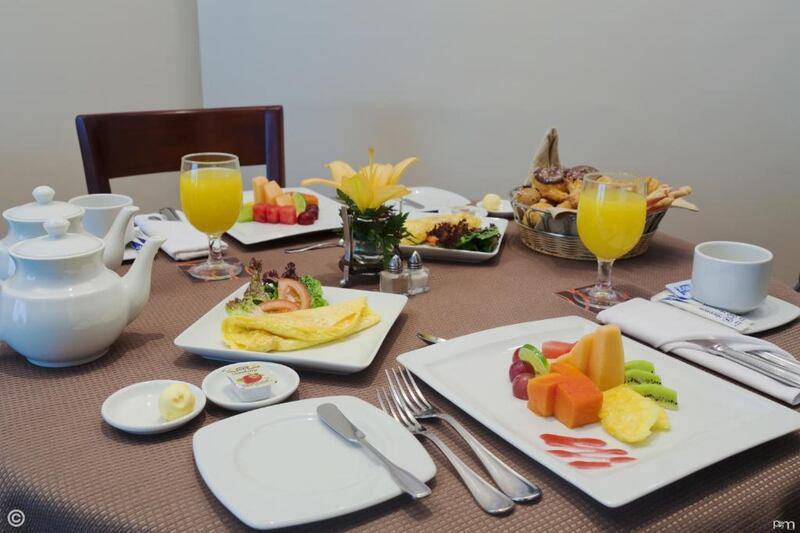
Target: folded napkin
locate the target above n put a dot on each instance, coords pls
(547, 153)
(183, 241)
(663, 326)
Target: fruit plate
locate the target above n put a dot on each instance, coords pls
(716, 418)
(256, 232)
(281, 465)
(345, 356)
(461, 256)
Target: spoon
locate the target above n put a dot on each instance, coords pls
(430, 339)
(317, 246)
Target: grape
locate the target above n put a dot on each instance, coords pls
(314, 210)
(519, 387)
(305, 218)
(515, 357)
(519, 367)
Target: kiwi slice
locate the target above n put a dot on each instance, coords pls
(635, 375)
(663, 396)
(640, 364)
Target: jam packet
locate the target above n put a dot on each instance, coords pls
(680, 295)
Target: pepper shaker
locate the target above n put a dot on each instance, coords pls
(394, 279)
(419, 276)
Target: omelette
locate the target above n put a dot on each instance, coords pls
(418, 228)
(283, 332)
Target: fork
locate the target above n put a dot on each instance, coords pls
(489, 498)
(510, 482)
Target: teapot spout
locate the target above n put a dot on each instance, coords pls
(115, 238)
(136, 282)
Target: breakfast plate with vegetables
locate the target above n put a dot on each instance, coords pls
(612, 416)
(461, 237)
(271, 212)
(285, 317)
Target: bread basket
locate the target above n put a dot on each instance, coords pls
(557, 235)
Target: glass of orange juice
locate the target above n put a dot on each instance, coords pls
(211, 197)
(611, 215)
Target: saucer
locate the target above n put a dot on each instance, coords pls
(772, 313)
(505, 210)
(135, 408)
(219, 389)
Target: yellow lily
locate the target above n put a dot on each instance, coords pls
(371, 186)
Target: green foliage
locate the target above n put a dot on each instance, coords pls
(383, 226)
(315, 290)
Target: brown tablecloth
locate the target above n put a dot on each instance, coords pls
(67, 470)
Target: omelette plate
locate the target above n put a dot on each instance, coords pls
(345, 356)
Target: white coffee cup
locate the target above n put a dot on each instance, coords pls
(100, 212)
(731, 275)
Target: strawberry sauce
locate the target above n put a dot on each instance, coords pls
(584, 449)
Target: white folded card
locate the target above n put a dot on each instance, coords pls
(662, 326)
(183, 241)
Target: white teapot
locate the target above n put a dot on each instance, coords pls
(62, 306)
(25, 221)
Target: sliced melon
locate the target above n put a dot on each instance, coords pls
(607, 360)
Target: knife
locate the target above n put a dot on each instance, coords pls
(784, 374)
(413, 203)
(335, 419)
(169, 213)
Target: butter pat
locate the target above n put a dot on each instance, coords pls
(175, 401)
(251, 381)
(491, 202)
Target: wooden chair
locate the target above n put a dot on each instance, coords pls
(114, 145)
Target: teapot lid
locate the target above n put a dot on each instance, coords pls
(57, 244)
(42, 208)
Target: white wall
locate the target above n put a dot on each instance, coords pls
(699, 93)
(59, 59)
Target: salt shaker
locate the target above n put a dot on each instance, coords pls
(394, 279)
(419, 276)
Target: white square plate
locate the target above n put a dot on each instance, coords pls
(345, 356)
(281, 465)
(430, 198)
(461, 256)
(716, 419)
(255, 232)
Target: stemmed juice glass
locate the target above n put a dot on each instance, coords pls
(211, 197)
(611, 215)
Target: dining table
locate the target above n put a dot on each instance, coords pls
(67, 470)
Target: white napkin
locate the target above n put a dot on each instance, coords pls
(183, 241)
(662, 326)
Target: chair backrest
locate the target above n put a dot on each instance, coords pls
(114, 145)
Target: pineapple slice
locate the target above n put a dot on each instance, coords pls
(627, 415)
(662, 422)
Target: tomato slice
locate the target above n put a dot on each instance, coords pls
(553, 349)
(294, 291)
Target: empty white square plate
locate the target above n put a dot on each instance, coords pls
(430, 198)
(281, 465)
(344, 356)
(716, 418)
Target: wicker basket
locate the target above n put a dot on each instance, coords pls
(558, 236)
